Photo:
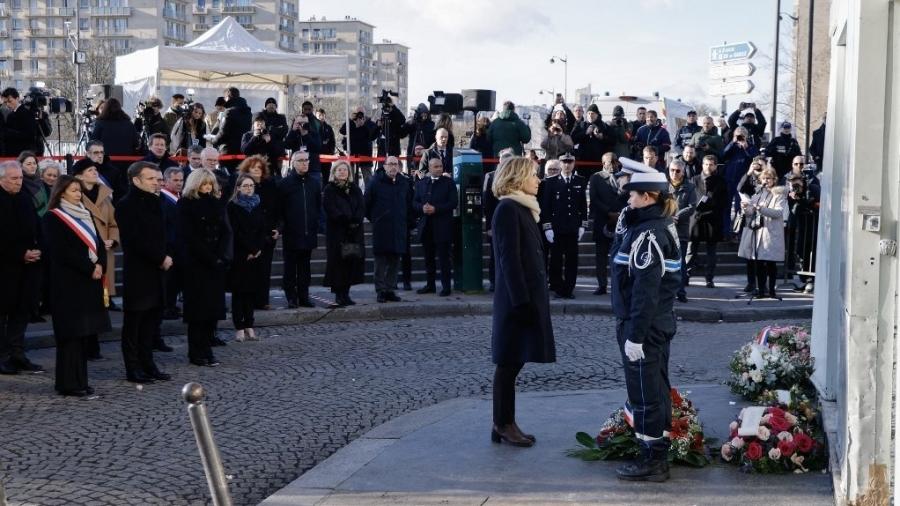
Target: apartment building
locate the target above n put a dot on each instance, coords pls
(37, 36)
(373, 66)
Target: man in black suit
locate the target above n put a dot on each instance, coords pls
(564, 224)
(435, 200)
(21, 129)
(143, 236)
(439, 150)
(605, 208)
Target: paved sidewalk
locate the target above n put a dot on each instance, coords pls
(442, 455)
(705, 305)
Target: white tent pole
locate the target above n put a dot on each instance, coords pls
(347, 106)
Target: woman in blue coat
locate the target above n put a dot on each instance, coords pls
(521, 331)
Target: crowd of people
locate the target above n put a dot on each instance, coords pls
(192, 223)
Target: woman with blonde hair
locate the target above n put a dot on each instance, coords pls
(646, 275)
(345, 210)
(204, 236)
(521, 322)
(762, 241)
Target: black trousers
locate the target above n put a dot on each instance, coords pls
(564, 250)
(766, 275)
(601, 257)
(751, 273)
(442, 251)
(647, 381)
(261, 298)
(682, 290)
(491, 262)
(711, 257)
(139, 329)
(12, 336)
(505, 394)
(406, 261)
(199, 336)
(242, 306)
(295, 280)
(172, 279)
(71, 363)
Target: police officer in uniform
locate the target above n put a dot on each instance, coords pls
(646, 274)
(564, 223)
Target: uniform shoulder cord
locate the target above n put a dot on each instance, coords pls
(652, 244)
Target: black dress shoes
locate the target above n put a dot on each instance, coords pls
(25, 365)
(160, 376)
(305, 303)
(682, 298)
(215, 341)
(292, 304)
(407, 287)
(392, 297)
(444, 293)
(600, 291)
(381, 298)
(426, 289)
(162, 346)
(139, 377)
(77, 393)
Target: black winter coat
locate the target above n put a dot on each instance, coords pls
(782, 150)
(272, 150)
(389, 210)
(267, 189)
(117, 135)
(435, 152)
(250, 233)
(19, 223)
(205, 239)
(522, 331)
(686, 197)
(591, 147)
(360, 138)
(420, 133)
(75, 298)
(299, 201)
(170, 216)
(712, 199)
(345, 211)
(278, 128)
(441, 193)
(604, 200)
(396, 130)
(163, 163)
(237, 120)
(142, 232)
(311, 142)
(488, 200)
(21, 132)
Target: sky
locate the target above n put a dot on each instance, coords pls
(635, 46)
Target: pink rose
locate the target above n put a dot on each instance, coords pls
(774, 454)
(763, 433)
(737, 443)
(727, 452)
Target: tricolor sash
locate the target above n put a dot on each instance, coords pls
(169, 195)
(87, 236)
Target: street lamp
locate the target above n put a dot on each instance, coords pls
(772, 124)
(78, 58)
(565, 60)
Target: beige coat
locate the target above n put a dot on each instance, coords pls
(769, 240)
(105, 221)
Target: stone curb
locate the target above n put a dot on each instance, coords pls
(373, 312)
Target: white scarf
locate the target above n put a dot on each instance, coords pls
(80, 213)
(529, 201)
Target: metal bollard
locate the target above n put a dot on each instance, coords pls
(2, 494)
(193, 394)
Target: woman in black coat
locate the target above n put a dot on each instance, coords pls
(522, 331)
(257, 168)
(114, 129)
(77, 265)
(248, 224)
(204, 235)
(344, 212)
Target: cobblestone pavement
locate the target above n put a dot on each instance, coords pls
(282, 405)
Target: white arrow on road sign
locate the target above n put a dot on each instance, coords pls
(731, 52)
(733, 70)
(720, 89)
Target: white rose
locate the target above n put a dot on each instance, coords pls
(798, 459)
(726, 452)
(745, 376)
(785, 436)
(765, 419)
(790, 418)
(737, 443)
(774, 454)
(733, 426)
(756, 376)
(763, 433)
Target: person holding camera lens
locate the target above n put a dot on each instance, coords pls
(753, 121)
(189, 130)
(737, 157)
(21, 127)
(762, 241)
(557, 141)
(305, 137)
(362, 133)
(619, 130)
(420, 129)
(148, 121)
(175, 111)
(593, 140)
(782, 150)
(278, 129)
(260, 141)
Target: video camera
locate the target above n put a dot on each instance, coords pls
(36, 99)
(385, 98)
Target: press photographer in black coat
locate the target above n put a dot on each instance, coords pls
(248, 224)
(21, 127)
(260, 141)
(345, 211)
(362, 133)
(420, 130)
(236, 121)
(142, 232)
(394, 128)
(205, 239)
(434, 201)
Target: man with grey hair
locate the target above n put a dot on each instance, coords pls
(210, 160)
(194, 161)
(388, 207)
(439, 149)
(685, 194)
(19, 251)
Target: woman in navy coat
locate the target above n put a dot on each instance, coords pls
(521, 331)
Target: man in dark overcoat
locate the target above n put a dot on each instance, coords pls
(143, 236)
(388, 205)
(706, 223)
(300, 199)
(605, 208)
(434, 201)
(18, 249)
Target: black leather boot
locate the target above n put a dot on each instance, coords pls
(651, 465)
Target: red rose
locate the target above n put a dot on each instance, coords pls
(803, 443)
(697, 444)
(779, 424)
(676, 397)
(754, 451)
(776, 412)
(787, 448)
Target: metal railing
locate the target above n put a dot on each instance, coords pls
(193, 394)
(111, 11)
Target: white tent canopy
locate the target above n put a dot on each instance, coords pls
(226, 55)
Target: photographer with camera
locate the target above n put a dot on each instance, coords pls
(362, 132)
(557, 141)
(236, 121)
(654, 134)
(560, 114)
(260, 141)
(148, 121)
(707, 141)
(593, 140)
(619, 131)
(21, 127)
(304, 137)
(420, 129)
(189, 130)
(175, 111)
(754, 122)
(737, 157)
(804, 194)
(782, 150)
(390, 126)
(686, 133)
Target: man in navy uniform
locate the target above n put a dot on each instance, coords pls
(434, 201)
(564, 224)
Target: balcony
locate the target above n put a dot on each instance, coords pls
(173, 14)
(238, 9)
(287, 28)
(200, 9)
(95, 32)
(4, 34)
(110, 11)
(248, 26)
(288, 11)
(201, 27)
(60, 12)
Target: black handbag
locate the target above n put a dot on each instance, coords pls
(351, 250)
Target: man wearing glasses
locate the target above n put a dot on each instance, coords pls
(300, 197)
(782, 150)
(110, 175)
(685, 194)
(389, 208)
(564, 223)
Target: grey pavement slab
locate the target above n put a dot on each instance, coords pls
(452, 461)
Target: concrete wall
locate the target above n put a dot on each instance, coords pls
(821, 63)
